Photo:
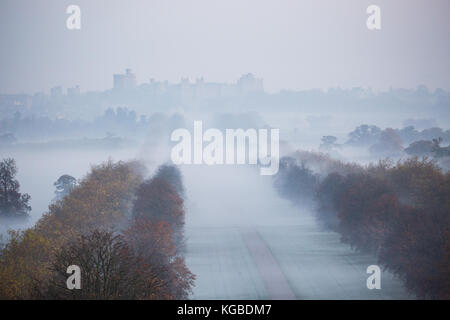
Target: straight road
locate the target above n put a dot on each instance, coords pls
(245, 242)
(275, 282)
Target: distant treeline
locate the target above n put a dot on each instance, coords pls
(398, 211)
(371, 135)
(125, 233)
(396, 143)
(142, 99)
(119, 121)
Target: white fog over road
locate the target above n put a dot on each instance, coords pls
(245, 242)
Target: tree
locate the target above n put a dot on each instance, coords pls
(109, 270)
(408, 134)
(12, 202)
(327, 192)
(432, 133)
(100, 201)
(24, 263)
(420, 148)
(428, 148)
(157, 200)
(152, 241)
(140, 261)
(364, 135)
(64, 185)
(171, 175)
(439, 151)
(389, 143)
(296, 182)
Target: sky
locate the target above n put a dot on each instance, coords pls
(291, 44)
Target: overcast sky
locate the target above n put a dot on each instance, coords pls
(292, 44)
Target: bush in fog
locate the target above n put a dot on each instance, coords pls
(391, 141)
(172, 175)
(13, 204)
(327, 191)
(138, 265)
(322, 164)
(109, 270)
(417, 248)
(157, 229)
(101, 200)
(389, 144)
(33, 263)
(295, 181)
(364, 135)
(420, 148)
(400, 212)
(157, 200)
(153, 242)
(365, 206)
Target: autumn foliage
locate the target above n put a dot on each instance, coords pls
(121, 255)
(400, 212)
(158, 201)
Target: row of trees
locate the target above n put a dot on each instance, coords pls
(431, 148)
(398, 211)
(119, 121)
(392, 141)
(123, 251)
(367, 135)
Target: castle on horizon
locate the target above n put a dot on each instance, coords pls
(246, 84)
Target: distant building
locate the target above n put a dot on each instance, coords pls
(124, 81)
(157, 87)
(200, 89)
(15, 100)
(56, 92)
(39, 100)
(206, 90)
(72, 92)
(248, 84)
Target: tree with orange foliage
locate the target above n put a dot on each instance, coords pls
(158, 201)
(152, 241)
(109, 270)
(398, 211)
(102, 199)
